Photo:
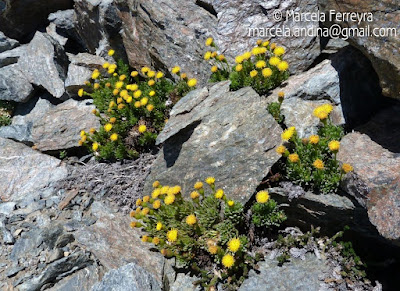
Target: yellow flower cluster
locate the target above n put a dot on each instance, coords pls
(288, 133)
(323, 111)
(191, 83)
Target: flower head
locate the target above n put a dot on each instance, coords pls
(194, 195)
(283, 66)
(144, 101)
(334, 145)
(172, 235)
(267, 72)
(262, 197)
(207, 56)
(347, 168)
(137, 94)
(231, 203)
(294, 158)
(210, 180)
(234, 245)
(239, 67)
(176, 70)
(219, 194)
(138, 202)
(151, 74)
(191, 219)
(213, 249)
(314, 139)
(134, 74)
(95, 146)
(159, 226)
(156, 192)
(209, 41)
(169, 199)
(150, 107)
(192, 82)
(146, 198)
(198, 185)
(81, 92)
(274, 61)
(156, 204)
(214, 69)
(253, 73)
(159, 75)
(228, 261)
(156, 240)
(108, 127)
(288, 133)
(278, 51)
(111, 52)
(261, 64)
(281, 149)
(145, 70)
(145, 238)
(318, 164)
(239, 59)
(142, 128)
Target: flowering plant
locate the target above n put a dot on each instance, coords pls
(207, 233)
(312, 161)
(132, 106)
(262, 68)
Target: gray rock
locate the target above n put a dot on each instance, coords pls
(298, 274)
(20, 18)
(219, 138)
(130, 277)
(7, 207)
(7, 237)
(45, 64)
(11, 56)
(45, 125)
(26, 171)
(81, 280)
(57, 270)
(86, 60)
(14, 271)
(7, 43)
(14, 86)
(64, 20)
(184, 282)
(52, 31)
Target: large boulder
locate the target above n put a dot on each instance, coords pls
(14, 86)
(20, 18)
(375, 182)
(214, 132)
(25, 172)
(45, 64)
(45, 124)
(7, 43)
(382, 51)
(12, 56)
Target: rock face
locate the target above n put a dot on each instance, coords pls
(14, 86)
(19, 18)
(211, 134)
(26, 171)
(45, 64)
(378, 185)
(11, 56)
(7, 43)
(46, 127)
(382, 51)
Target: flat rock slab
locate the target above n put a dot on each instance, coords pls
(297, 274)
(45, 64)
(14, 86)
(228, 135)
(377, 182)
(25, 171)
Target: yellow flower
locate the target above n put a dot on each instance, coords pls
(214, 54)
(159, 226)
(92, 130)
(137, 94)
(145, 70)
(334, 145)
(113, 119)
(156, 204)
(283, 66)
(318, 164)
(138, 202)
(83, 138)
(221, 57)
(95, 74)
(209, 41)
(323, 111)
(347, 168)
(121, 106)
(122, 77)
(267, 72)
(144, 101)
(119, 85)
(132, 224)
(151, 74)
(214, 69)
(246, 55)
(176, 70)
(228, 261)
(156, 184)
(279, 51)
(142, 128)
(106, 65)
(113, 66)
(82, 133)
(192, 82)
(294, 158)
(150, 107)
(262, 197)
(108, 84)
(96, 86)
(159, 75)
(281, 94)
(281, 149)
(191, 219)
(238, 68)
(80, 92)
(327, 107)
(265, 43)
(156, 240)
(184, 76)
(239, 59)
(169, 199)
(80, 142)
(213, 249)
(259, 42)
(288, 133)
(95, 146)
(111, 52)
(198, 185)
(152, 93)
(172, 235)
(273, 46)
(129, 99)
(253, 73)
(137, 104)
(210, 180)
(146, 198)
(108, 127)
(219, 194)
(234, 245)
(134, 74)
(134, 87)
(164, 190)
(261, 64)
(256, 51)
(151, 82)
(194, 195)
(156, 193)
(114, 137)
(207, 55)
(145, 238)
(274, 61)
(231, 203)
(145, 211)
(111, 71)
(314, 139)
